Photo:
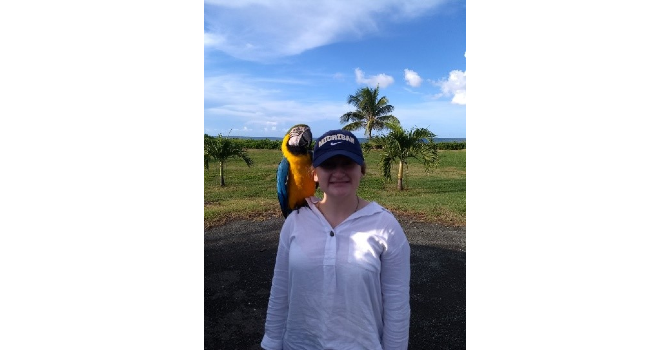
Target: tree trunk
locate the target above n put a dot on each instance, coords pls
(221, 174)
(400, 171)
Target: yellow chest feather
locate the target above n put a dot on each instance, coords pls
(300, 179)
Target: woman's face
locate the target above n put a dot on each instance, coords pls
(338, 176)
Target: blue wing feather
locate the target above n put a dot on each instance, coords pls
(282, 186)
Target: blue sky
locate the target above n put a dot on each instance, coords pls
(271, 64)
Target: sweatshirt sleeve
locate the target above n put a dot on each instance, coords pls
(395, 273)
(277, 312)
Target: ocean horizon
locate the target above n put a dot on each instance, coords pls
(361, 139)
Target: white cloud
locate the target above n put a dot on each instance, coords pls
(412, 78)
(262, 30)
(251, 108)
(453, 86)
(382, 79)
(211, 39)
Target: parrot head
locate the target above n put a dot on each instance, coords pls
(299, 139)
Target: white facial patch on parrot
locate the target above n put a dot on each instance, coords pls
(296, 135)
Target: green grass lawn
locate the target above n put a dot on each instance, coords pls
(251, 192)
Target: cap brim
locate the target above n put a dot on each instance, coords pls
(337, 152)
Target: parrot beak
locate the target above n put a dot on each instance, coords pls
(305, 138)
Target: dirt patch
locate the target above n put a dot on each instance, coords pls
(239, 261)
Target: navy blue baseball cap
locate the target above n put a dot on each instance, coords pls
(337, 142)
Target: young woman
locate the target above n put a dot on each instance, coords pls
(341, 278)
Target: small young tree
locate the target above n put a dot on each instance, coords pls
(222, 149)
(399, 145)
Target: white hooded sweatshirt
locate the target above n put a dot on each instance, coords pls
(340, 288)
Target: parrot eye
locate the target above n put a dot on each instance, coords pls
(295, 132)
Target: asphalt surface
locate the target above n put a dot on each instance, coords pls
(239, 261)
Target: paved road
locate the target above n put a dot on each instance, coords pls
(239, 260)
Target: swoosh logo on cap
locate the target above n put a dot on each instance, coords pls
(335, 143)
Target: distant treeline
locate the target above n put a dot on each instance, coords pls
(276, 144)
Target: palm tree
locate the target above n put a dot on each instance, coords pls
(399, 145)
(222, 149)
(370, 114)
(209, 140)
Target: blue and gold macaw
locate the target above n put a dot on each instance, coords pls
(295, 181)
